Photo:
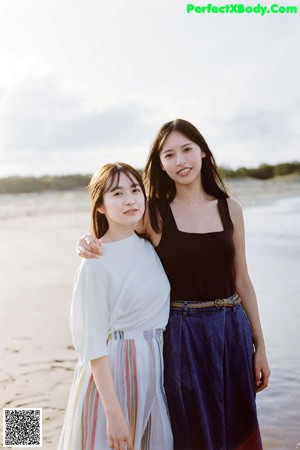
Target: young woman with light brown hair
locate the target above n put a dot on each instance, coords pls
(119, 311)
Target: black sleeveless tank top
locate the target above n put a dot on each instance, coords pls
(199, 265)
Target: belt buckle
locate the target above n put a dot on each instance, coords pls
(219, 303)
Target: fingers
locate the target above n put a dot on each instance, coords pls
(129, 444)
(261, 387)
(264, 383)
(92, 242)
(84, 253)
(118, 433)
(117, 444)
(257, 378)
(113, 444)
(122, 445)
(263, 380)
(89, 247)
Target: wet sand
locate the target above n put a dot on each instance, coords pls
(37, 357)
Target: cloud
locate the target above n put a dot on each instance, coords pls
(252, 137)
(38, 116)
(49, 126)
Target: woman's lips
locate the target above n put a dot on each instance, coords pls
(184, 172)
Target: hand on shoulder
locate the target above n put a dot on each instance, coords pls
(88, 246)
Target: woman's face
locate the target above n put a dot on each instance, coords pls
(124, 203)
(181, 158)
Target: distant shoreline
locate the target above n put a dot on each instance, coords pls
(248, 191)
(287, 172)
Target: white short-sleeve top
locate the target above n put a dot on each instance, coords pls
(126, 289)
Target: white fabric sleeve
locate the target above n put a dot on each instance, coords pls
(89, 313)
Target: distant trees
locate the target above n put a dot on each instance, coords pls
(264, 171)
(17, 185)
(286, 168)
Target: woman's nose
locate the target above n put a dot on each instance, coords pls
(129, 199)
(180, 159)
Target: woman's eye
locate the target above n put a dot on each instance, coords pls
(116, 194)
(136, 189)
(187, 149)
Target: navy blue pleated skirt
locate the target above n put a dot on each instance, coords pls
(209, 379)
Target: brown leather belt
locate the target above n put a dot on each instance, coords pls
(218, 303)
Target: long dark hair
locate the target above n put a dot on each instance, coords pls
(101, 182)
(161, 188)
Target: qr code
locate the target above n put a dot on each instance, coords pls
(22, 427)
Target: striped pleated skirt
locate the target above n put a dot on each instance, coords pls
(137, 367)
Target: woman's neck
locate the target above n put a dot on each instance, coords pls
(117, 234)
(191, 193)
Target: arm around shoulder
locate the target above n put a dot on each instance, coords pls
(88, 246)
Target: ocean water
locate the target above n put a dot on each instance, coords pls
(273, 252)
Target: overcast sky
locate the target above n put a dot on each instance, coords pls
(85, 82)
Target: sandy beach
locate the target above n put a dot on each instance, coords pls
(38, 233)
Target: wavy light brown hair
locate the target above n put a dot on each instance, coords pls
(102, 181)
(160, 187)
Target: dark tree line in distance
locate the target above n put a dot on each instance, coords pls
(17, 184)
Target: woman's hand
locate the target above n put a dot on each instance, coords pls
(88, 246)
(261, 371)
(118, 433)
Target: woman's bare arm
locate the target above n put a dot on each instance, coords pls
(246, 291)
(117, 429)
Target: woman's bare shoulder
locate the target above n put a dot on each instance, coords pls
(234, 205)
(235, 209)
